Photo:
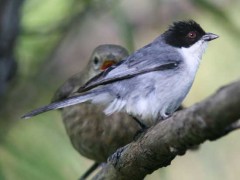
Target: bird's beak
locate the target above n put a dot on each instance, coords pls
(107, 63)
(209, 37)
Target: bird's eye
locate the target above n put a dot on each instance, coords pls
(192, 35)
(95, 60)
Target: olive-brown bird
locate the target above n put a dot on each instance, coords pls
(92, 133)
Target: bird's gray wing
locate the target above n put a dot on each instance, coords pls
(148, 59)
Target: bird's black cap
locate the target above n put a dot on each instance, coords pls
(183, 33)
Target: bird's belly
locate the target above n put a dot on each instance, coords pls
(163, 99)
(95, 135)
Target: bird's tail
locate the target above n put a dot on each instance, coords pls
(61, 104)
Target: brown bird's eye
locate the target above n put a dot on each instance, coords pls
(95, 60)
(192, 34)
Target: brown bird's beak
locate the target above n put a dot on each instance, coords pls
(107, 64)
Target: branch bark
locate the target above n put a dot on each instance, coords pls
(156, 148)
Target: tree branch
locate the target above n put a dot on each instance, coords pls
(207, 120)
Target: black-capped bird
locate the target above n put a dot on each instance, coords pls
(151, 83)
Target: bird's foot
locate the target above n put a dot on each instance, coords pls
(143, 126)
(139, 133)
(142, 129)
(164, 116)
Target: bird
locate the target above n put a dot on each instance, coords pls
(152, 82)
(93, 134)
(102, 57)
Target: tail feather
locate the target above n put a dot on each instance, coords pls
(60, 104)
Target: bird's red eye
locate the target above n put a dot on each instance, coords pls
(192, 34)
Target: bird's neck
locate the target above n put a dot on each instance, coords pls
(193, 55)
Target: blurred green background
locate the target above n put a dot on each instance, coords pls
(55, 41)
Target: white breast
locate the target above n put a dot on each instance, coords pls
(193, 55)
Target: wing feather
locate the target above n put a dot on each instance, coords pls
(147, 59)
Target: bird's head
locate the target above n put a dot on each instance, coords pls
(105, 56)
(187, 33)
